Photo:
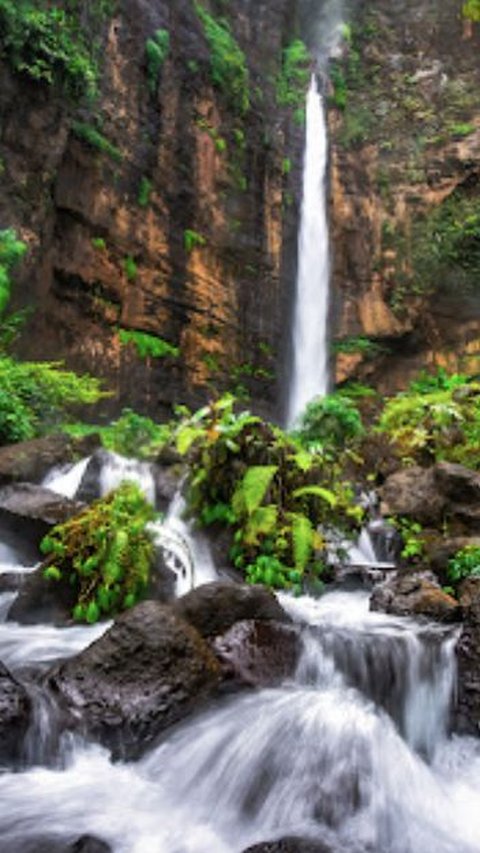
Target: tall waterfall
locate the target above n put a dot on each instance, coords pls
(310, 353)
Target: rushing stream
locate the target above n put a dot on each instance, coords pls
(354, 750)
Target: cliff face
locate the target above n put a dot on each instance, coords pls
(405, 125)
(184, 229)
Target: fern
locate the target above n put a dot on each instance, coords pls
(319, 492)
(302, 539)
(262, 522)
(251, 491)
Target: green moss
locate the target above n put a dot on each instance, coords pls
(99, 244)
(144, 192)
(89, 134)
(130, 268)
(227, 61)
(192, 239)
(146, 345)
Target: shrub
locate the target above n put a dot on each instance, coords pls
(48, 46)
(292, 82)
(464, 564)
(12, 251)
(130, 435)
(191, 239)
(330, 421)
(144, 192)
(148, 346)
(105, 553)
(34, 396)
(130, 268)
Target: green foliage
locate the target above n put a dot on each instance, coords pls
(146, 345)
(436, 418)
(340, 93)
(156, 50)
(412, 539)
(461, 129)
(465, 564)
(330, 422)
(227, 61)
(272, 495)
(191, 239)
(144, 192)
(359, 344)
(471, 10)
(292, 82)
(105, 553)
(49, 45)
(130, 268)
(12, 251)
(99, 244)
(89, 134)
(34, 396)
(131, 434)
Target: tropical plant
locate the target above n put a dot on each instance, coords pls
(105, 553)
(227, 61)
(330, 422)
(156, 50)
(464, 564)
(146, 345)
(131, 434)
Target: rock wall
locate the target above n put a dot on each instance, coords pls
(405, 180)
(204, 259)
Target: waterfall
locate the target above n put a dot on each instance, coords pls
(310, 354)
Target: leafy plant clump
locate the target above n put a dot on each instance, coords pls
(105, 554)
(465, 564)
(148, 346)
(144, 192)
(12, 251)
(227, 61)
(156, 50)
(48, 45)
(276, 499)
(436, 418)
(192, 239)
(330, 422)
(35, 396)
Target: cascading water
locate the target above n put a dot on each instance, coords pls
(310, 344)
(352, 752)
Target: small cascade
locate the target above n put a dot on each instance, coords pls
(118, 468)
(65, 479)
(310, 339)
(186, 551)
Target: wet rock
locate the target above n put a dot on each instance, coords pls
(42, 601)
(458, 484)
(30, 461)
(11, 581)
(294, 845)
(14, 715)
(467, 712)
(28, 511)
(259, 653)
(148, 671)
(415, 595)
(89, 489)
(85, 844)
(167, 480)
(413, 492)
(214, 607)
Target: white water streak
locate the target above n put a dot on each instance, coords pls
(310, 351)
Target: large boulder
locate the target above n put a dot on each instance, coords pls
(459, 485)
(292, 844)
(84, 844)
(417, 594)
(214, 607)
(30, 461)
(29, 511)
(260, 654)
(149, 670)
(15, 709)
(40, 601)
(413, 492)
(468, 659)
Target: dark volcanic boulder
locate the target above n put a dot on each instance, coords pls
(14, 715)
(41, 601)
(413, 492)
(415, 595)
(259, 653)
(30, 461)
(467, 715)
(85, 844)
(214, 607)
(294, 845)
(458, 484)
(147, 672)
(29, 511)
